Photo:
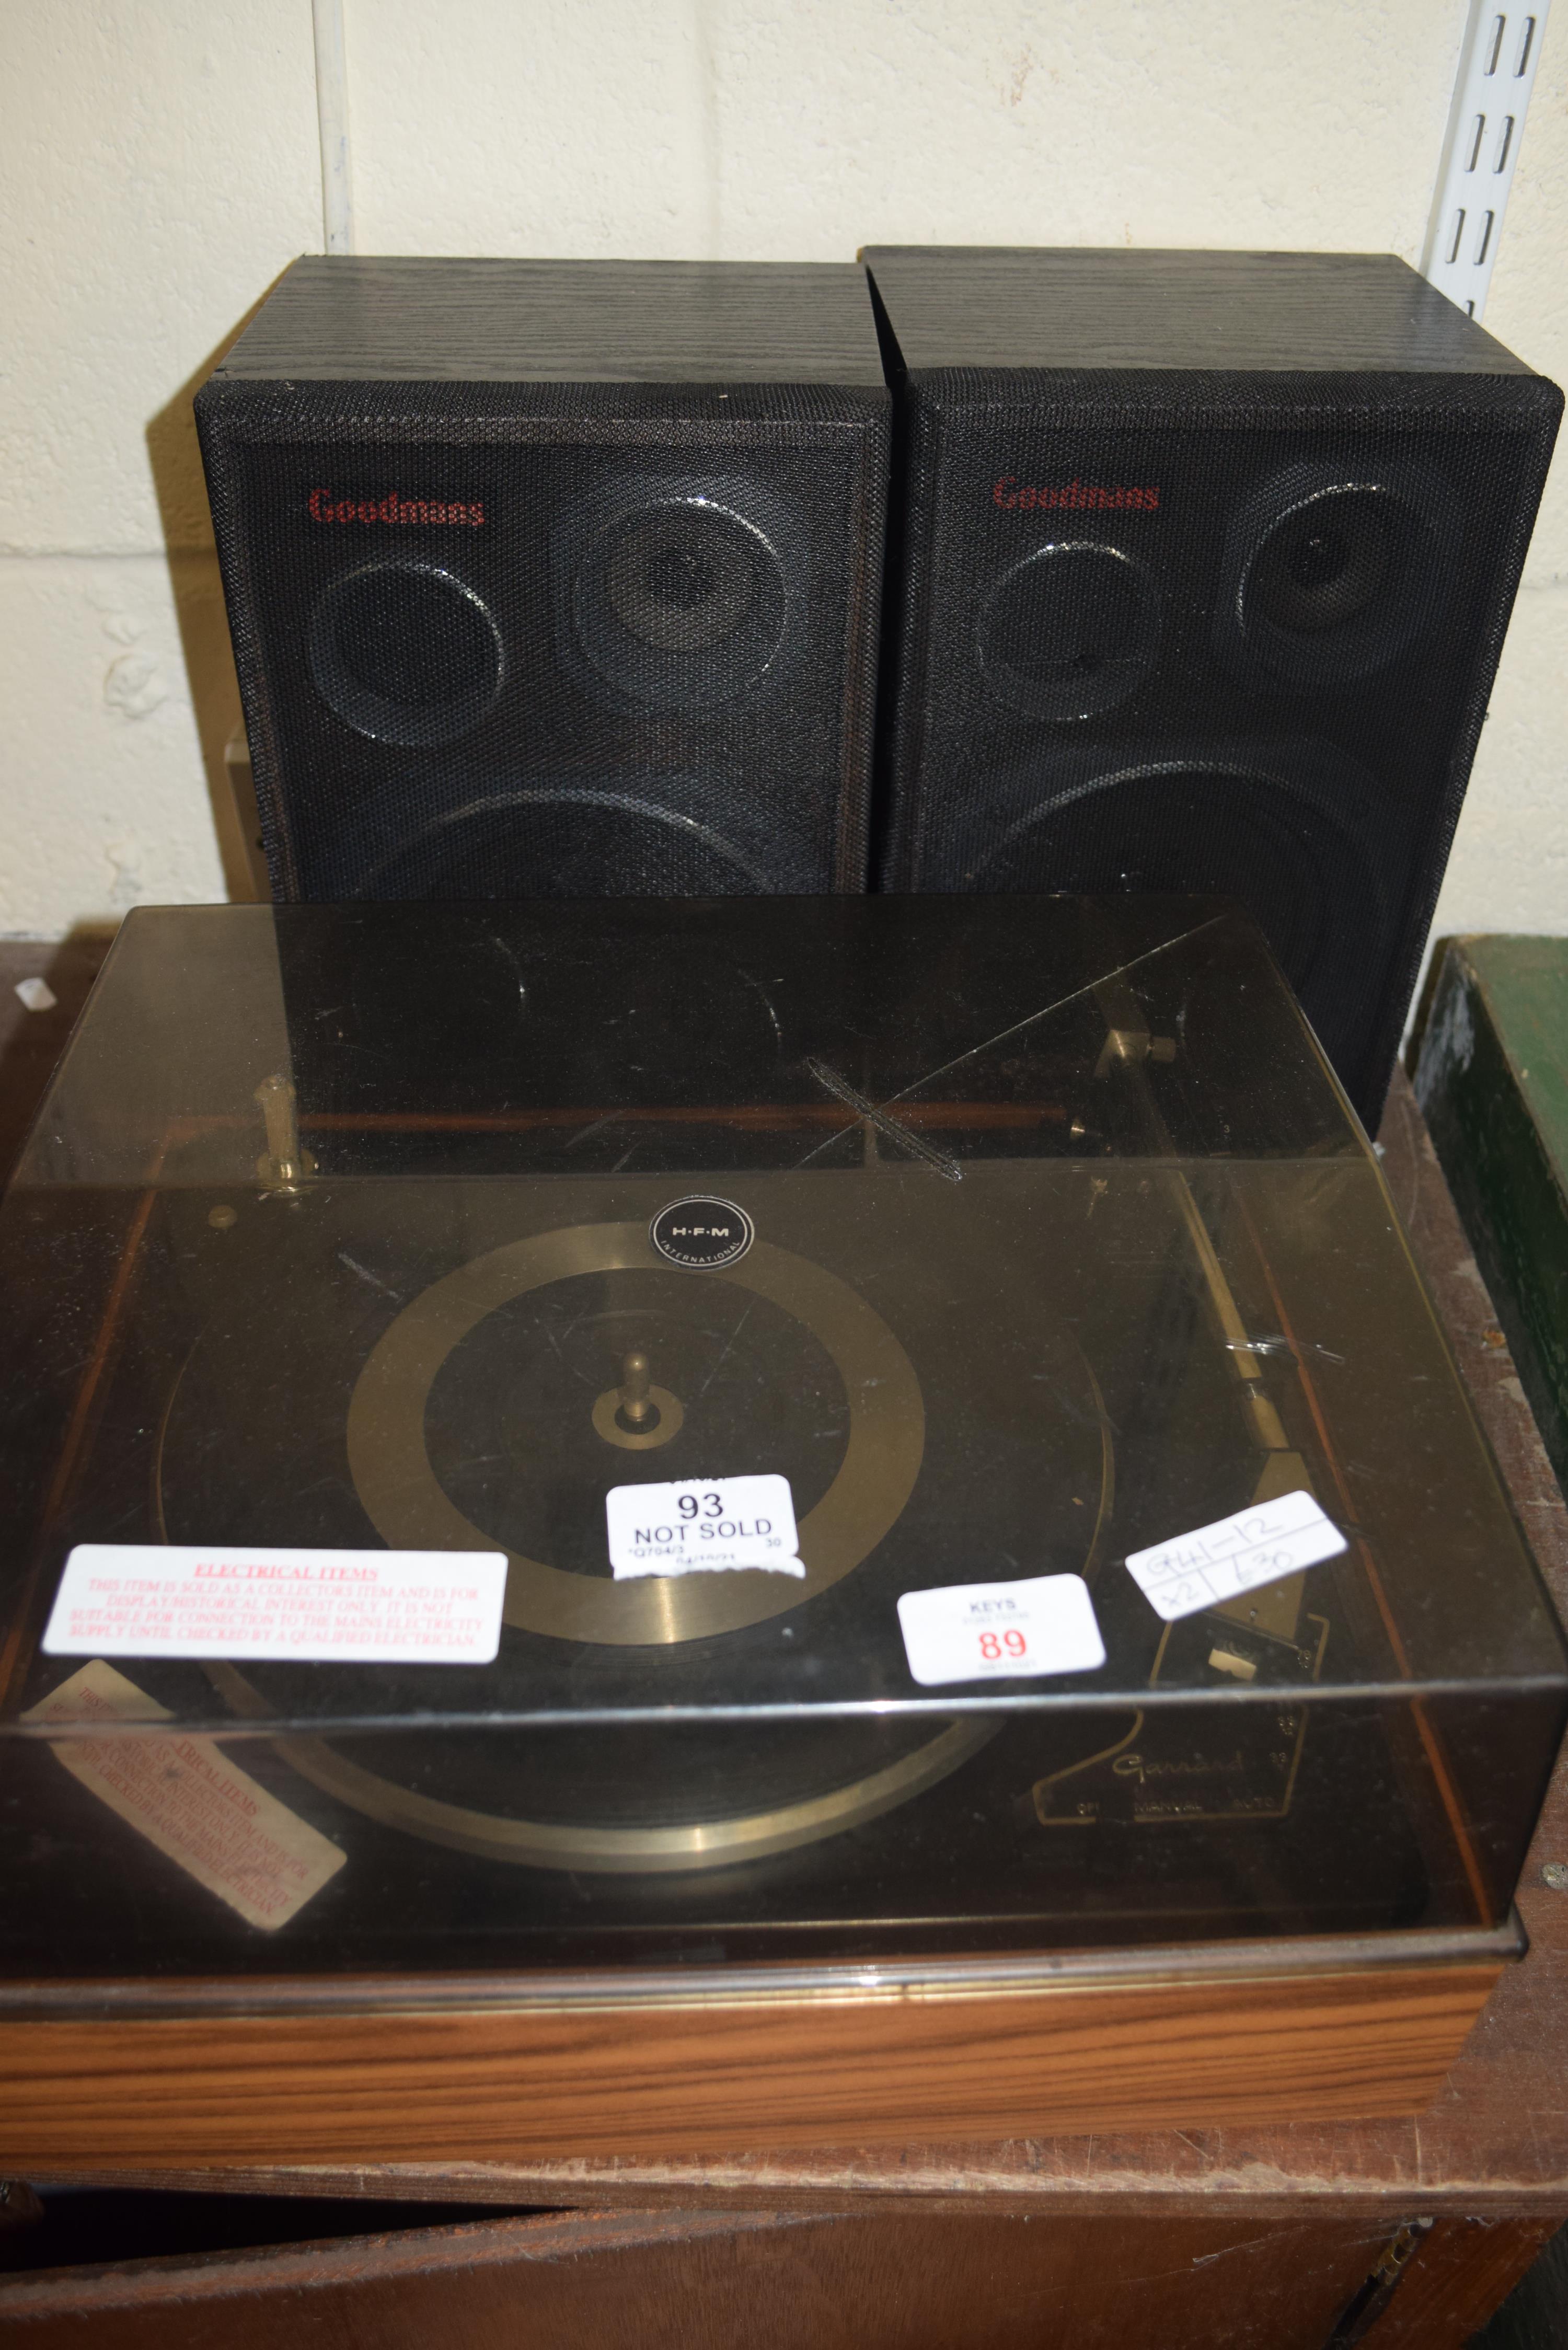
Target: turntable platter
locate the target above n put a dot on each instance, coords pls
(494, 1408)
(772, 1359)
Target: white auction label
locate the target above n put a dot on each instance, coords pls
(702, 1525)
(1234, 1554)
(1000, 1631)
(344, 1607)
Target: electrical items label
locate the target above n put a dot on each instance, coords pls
(186, 1797)
(702, 1525)
(1234, 1554)
(1000, 1631)
(344, 1607)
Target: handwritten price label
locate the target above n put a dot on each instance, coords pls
(1234, 1554)
(1000, 1631)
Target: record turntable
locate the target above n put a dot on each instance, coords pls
(997, 1244)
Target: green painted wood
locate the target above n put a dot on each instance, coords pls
(1492, 1082)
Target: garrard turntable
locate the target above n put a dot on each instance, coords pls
(995, 1244)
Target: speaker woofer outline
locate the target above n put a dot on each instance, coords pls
(1080, 691)
(1408, 501)
(415, 848)
(378, 716)
(1304, 775)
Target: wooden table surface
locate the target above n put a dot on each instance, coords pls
(1495, 2143)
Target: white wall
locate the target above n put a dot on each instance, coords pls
(159, 167)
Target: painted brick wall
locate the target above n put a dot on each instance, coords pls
(159, 167)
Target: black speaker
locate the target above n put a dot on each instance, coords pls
(555, 578)
(1205, 564)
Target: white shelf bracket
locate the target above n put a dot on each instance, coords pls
(332, 115)
(1485, 128)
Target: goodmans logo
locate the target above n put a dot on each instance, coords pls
(326, 505)
(1075, 496)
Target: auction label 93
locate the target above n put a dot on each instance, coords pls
(702, 1525)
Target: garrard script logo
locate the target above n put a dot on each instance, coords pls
(326, 505)
(1074, 495)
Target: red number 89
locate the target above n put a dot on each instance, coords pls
(992, 1644)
